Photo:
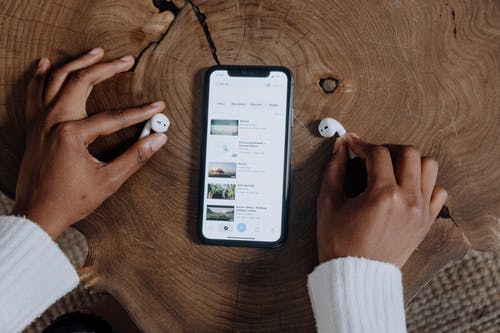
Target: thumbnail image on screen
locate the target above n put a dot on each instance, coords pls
(220, 213)
(224, 127)
(221, 191)
(222, 169)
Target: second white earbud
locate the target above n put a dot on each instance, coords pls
(328, 127)
(159, 123)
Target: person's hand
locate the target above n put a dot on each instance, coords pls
(391, 217)
(59, 181)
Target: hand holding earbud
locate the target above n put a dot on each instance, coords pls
(59, 181)
(159, 123)
(389, 219)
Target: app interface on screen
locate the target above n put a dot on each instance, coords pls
(245, 158)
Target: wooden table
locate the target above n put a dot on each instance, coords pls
(416, 72)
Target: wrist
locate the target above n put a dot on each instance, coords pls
(49, 224)
(395, 258)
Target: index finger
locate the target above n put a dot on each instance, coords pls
(379, 167)
(108, 122)
(57, 79)
(80, 83)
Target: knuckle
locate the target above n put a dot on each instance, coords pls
(78, 76)
(414, 208)
(65, 132)
(416, 213)
(379, 150)
(410, 151)
(441, 190)
(429, 161)
(388, 194)
(143, 154)
(58, 74)
(119, 115)
(394, 196)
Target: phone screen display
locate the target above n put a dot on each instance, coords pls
(245, 165)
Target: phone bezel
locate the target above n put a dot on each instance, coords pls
(250, 71)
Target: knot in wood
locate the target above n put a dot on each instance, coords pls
(328, 84)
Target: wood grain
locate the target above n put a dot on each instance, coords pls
(417, 72)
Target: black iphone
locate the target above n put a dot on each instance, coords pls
(245, 164)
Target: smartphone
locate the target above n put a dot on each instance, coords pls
(245, 165)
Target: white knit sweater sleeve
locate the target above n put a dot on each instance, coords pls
(354, 295)
(34, 273)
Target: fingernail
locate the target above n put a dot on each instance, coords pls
(158, 104)
(127, 58)
(354, 135)
(158, 141)
(95, 51)
(42, 66)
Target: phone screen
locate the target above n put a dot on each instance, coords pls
(245, 179)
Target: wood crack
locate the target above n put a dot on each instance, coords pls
(156, 42)
(166, 6)
(169, 6)
(202, 18)
(454, 23)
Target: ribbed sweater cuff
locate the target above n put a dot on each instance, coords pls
(34, 273)
(357, 295)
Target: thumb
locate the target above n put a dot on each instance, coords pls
(332, 186)
(134, 158)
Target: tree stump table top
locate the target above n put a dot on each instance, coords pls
(415, 72)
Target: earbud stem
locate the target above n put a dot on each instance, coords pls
(146, 130)
(351, 153)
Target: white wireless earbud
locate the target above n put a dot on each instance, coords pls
(328, 127)
(159, 123)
